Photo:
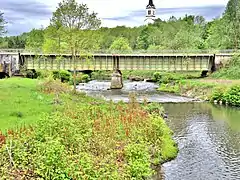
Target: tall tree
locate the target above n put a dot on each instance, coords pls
(71, 18)
(121, 44)
(232, 16)
(2, 24)
(35, 40)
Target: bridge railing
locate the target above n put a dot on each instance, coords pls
(207, 51)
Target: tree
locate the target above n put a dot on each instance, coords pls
(232, 16)
(143, 41)
(35, 40)
(121, 45)
(218, 35)
(2, 24)
(71, 17)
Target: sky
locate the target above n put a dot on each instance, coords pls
(24, 15)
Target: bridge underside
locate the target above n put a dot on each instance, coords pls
(198, 62)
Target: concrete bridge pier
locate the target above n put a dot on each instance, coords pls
(116, 81)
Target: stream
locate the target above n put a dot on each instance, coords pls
(208, 136)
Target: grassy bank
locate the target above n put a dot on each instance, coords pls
(20, 103)
(82, 138)
(221, 87)
(216, 91)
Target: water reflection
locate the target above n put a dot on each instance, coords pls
(208, 138)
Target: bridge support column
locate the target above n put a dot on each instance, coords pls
(116, 82)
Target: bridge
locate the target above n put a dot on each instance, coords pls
(115, 62)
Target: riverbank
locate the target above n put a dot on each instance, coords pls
(76, 136)
(214, 90)
(222, 87)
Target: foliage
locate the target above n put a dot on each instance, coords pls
(81, 78)
(20, 103)
(52, 86)
(87, 139)
(232, 96)
(121, 45)
(223, 93)
(63, 75)
(232, 16)
(72, 28)
(230, 70)
(166, 77)
(42, 74)
(184, 33)
(154, 108)
(35, 40)
(2, 24)
(102, 75)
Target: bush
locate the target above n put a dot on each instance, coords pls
(31, 74)
(53, 86)
(218, 94)
(63, 75)
(80, 78)
(232, 96)
(157, 76)
(85, 78)
(42, 74)
(231, 70)
(82, 140)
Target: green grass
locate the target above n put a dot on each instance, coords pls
(84, 138)
(20, 103)
(230, 70)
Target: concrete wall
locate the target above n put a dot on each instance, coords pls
(9, 62)
(222, 59)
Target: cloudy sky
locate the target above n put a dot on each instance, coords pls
(23, 15)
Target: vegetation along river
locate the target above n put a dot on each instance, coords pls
(207, 135)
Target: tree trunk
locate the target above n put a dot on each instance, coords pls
(74, 71)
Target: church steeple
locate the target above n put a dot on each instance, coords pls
(150, 4)
(150, 12)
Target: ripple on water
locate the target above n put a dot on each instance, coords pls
(143, 90)
(208, 149)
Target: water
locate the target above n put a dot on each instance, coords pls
(143, 90)
(208, 136)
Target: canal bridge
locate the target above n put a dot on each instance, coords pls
(116, 62)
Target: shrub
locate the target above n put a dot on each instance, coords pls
(232, 96)
(157, 76)
(65, 76)
(218, 94)
(42, 74)
(53, 86)
(231, 70)
(138, 157)
(85, 78)
(31, 74)
(87, 140)
(80, 78)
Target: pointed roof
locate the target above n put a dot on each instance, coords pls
(150, 4)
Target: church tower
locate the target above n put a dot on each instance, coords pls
(150, 12)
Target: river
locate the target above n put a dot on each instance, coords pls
(208, 136)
